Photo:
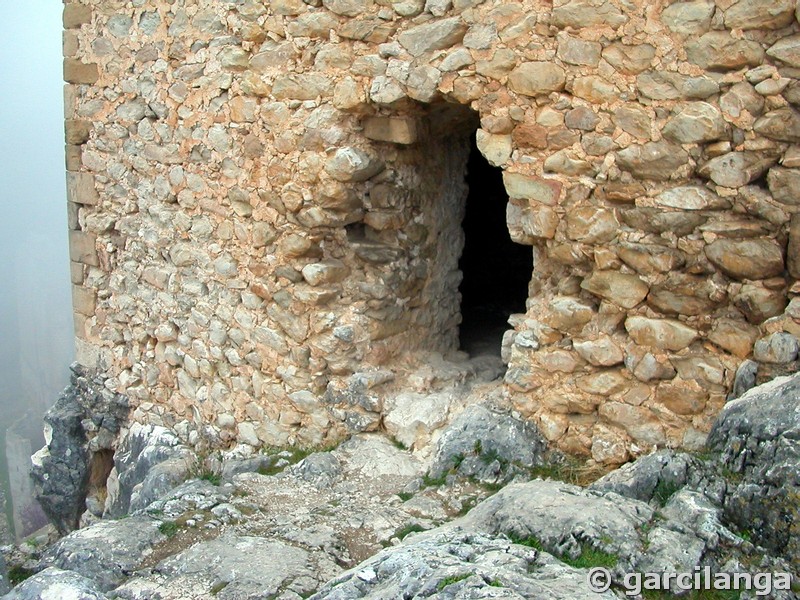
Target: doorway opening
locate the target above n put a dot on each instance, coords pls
(496, 271)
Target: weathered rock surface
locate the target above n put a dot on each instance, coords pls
(56, 583)
(84, 420)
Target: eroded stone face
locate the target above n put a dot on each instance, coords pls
(265, 203)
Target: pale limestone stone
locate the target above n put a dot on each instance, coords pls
(353, 164)
(592, 225)
(782, 125)
(536, 78)
(305, 86)
(576, 51)
(691, 198)
(83, 248)
(696, 122)
(640, 423)
(348, 8)
(736, 169)
(495, 147)
(719, 50)
(567, 312)
(523, 187)
(566, 163)
(650, 368)
(666, 85)
(784, 185)
(595, 89)
(602, 352)
(689, 18)
(754, 14)
(778, 348)
(634, 120)
(398, 130)
(746, 259)
(793, 247)
(666, 334)
(787, 50)
(80, 73)
(650, 259)
(758, 303)
(586, 13)
(622, 289)
(741, 97)
(629, 59)
(434, 35)
(603, 383)
(653, 160)
(682, 397)
(737, 337)
(81, 189)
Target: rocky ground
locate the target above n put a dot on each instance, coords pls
(488, 513)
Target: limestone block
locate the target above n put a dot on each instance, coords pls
(347, 8)
(581, 117)
(83, 300)
(649, 260)
(566, 163)
(602, 383)
(524, 187)
(76, 15)
(433, 35)
(736, 169)
(758, 303)
(353, 164)
(495, 147)
(592, 225)
(639, 422)
(755, 14)
(691, 198)
(682, 397)
(595, 89)
(567, 312)
(576, 51)
(499, 65)
(653, 160)
(629, 59)
(787, 50)
(782, 125)
(793, 248)
(602, 352)
(80, 188)
(301, 86)
(740, 98)
(779, 348)
(737, 337)
(83, 249)
(689, 18)
(537, 78)
(657, 221)
(666, 85)
(325, 272)
(622, 289)
(683, 294)
(586, 13)
(398, 130)
(784, 185)
(665, 334)
(526, 225)
(746, 259)
(696, 122)
(80, 73)
(650, 368)
(76, 131)
(633, 120)
(720, 51)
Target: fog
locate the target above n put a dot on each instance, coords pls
(35, 306)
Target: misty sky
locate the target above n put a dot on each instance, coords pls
(35, 311)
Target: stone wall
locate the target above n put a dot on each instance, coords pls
(265, 200)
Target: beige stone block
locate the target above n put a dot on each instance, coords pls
(72, 156)
(80, 188)
(69, 43)
(398, 130)
(82, 248)
(73, 213)
(80, 73)
(79, 325)
(76, 273)
(682, 397)
(76, 15)
(76, 131)
(666, 334)
(83, 300)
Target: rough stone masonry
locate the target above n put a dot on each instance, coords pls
(265, 201)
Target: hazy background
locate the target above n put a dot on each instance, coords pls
(35, 305)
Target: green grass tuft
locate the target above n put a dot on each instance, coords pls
(451, 580)
(17, 575)
(169, 528)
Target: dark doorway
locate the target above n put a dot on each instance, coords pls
(496, 270)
